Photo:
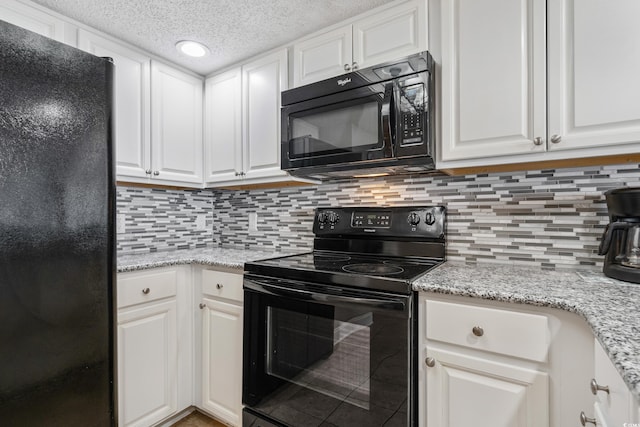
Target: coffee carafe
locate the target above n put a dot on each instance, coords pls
(620, 242)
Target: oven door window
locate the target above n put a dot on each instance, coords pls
(322, 362)
(321, 352)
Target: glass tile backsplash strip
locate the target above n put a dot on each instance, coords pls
(548, 218)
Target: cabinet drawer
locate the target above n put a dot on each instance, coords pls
(500, 331)
(221, 284)
(138, 288)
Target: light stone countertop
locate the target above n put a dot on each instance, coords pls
(220, 257)
(610, 307)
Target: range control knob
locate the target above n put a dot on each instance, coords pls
(430, 218)
(323, 217)
(333, 217)
(413, 219)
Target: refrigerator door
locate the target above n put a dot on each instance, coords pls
(56, 234)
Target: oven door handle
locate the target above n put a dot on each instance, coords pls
(390, 304)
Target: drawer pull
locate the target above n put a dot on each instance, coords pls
(146, 291)
(595, 387)
(584, 419)
(202, 305)
(430, 362)
(477, 331)
(219, 286)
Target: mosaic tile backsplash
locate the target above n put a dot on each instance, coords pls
(547, 218)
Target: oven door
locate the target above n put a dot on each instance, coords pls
(318, 354)
(350, 126)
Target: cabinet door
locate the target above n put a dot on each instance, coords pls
(223, 126)
(222, 360)
(132, 103)
(147, 363)
(322, 57)
(616, 405)
(176, 132)
(493, 78)
(390, 35)
(594, 64)
(32, 19)
(262, 82)
(466, 391)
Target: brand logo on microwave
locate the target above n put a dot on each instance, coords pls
(344, 82)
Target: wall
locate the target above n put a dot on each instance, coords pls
(548, 218)
(151, 220)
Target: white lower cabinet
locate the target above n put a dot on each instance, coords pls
(479, 366)
(487, 363)
(464, 390)
(147, 354)
(614, 405)
(154, 360)
(221, 352)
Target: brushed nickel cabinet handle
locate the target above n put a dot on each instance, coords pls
(584, 419)
(430, 362)
(202, 305)
(156, 173)
(347, 67)
(478, 331)
(219, 286)
(537, 141)
(148, 171)
(354, 66)
(146, 291)
(595, 387)
(556, 139)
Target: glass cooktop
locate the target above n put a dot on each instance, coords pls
(334, 263)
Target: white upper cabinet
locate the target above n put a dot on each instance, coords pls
(262, 82)
(132, 103)
(223, 126)
(176, 125)
(32, 19)
(242, 118)
(594, 64)
(511, 95)
(323, 56)
(493, 78)
(365, 41)
(391, 34)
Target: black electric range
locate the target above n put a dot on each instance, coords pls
(374, 248)
(328, 333)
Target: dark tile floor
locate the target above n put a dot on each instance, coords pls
(197, 419)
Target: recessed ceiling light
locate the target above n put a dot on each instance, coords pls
(191, 48)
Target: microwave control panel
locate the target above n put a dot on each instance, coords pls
(412, 114)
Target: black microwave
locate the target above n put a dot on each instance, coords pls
(370, 122)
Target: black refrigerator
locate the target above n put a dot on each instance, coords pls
(57, 269)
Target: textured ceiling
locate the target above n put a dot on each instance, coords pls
(232, 29)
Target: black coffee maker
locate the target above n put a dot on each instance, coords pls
(621, 239)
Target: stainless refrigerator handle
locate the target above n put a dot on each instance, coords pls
(324, 298)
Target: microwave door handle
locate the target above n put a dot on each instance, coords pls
(386, 110)
(324, 298)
